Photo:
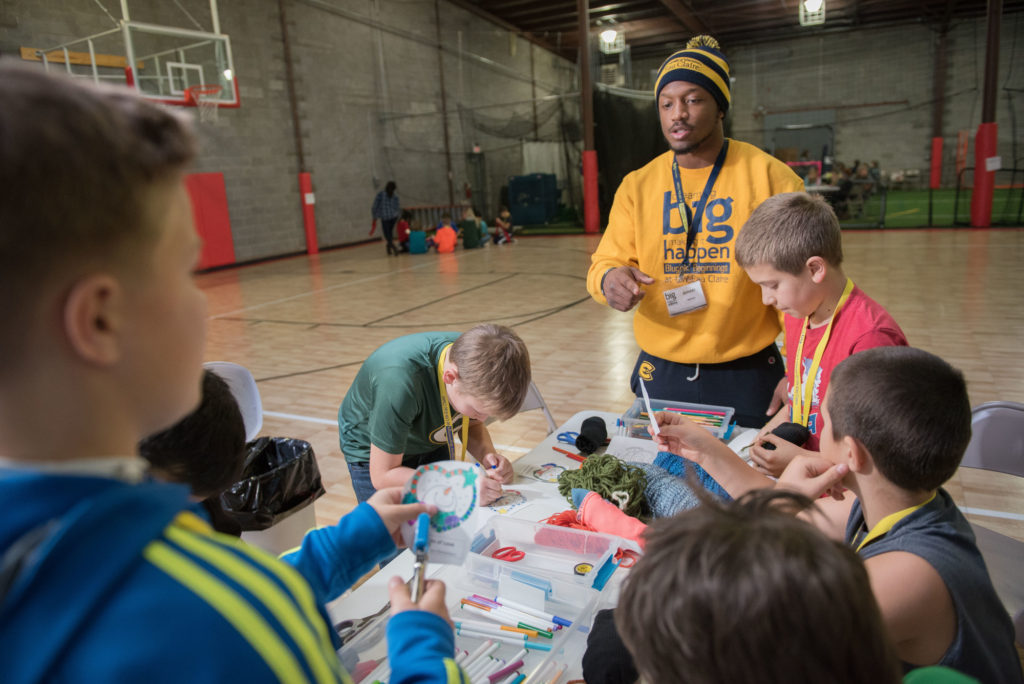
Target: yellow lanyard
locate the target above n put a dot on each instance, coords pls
(447, 412)
(802, 400)
(889, 521)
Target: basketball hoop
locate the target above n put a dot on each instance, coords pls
(204, 99)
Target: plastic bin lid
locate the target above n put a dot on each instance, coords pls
(244, 390)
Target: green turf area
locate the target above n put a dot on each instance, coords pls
(904, 209)
(909, 209)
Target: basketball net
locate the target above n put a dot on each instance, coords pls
(204, 99)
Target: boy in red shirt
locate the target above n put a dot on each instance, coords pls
(792, 247)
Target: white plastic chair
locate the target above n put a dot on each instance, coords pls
(997, 443)
(533, 401)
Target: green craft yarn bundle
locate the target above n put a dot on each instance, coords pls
(607, 476)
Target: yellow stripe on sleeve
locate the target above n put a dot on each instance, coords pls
(232, 607)
(323, 663)
(299, 588)
(453, 671)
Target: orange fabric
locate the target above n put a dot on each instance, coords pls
(445, 239)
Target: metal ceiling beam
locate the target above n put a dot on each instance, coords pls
(526, 35)
(685, 16)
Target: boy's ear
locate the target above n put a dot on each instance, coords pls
(857, 456)
(91, 319)
(817, 267)
(451, 374)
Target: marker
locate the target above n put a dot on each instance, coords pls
(419, 547)
(505, 671)
(496, 629)
(574, 457)
(549, 617)
(647, 403)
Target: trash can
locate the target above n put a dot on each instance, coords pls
(272, 503)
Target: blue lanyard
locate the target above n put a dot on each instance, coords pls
(685, 213)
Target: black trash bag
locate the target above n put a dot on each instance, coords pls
(279, 477)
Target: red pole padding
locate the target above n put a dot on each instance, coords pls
(984, 181)
(936, 179)
(308, 212)
(591, 209)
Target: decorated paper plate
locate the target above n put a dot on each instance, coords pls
(449, 485)
(453, 487)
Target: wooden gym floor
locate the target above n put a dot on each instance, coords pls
(303, 326)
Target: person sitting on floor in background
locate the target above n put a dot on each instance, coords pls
(402, 229)
(503, 225)
(104, 333)
(792, 247)
(445, 238)
(413, 393)
(470, 229)
(745, 593)
(894, 425)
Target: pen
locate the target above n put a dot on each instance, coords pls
(419, 547)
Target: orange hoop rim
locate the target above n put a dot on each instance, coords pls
(194, 93)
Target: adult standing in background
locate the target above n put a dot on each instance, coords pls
(387, 208)
(704, 333)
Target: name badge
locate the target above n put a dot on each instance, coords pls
(685, 299)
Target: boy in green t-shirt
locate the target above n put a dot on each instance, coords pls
(414, 394)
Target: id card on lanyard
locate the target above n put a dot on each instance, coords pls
(446, 411)
(690, 297)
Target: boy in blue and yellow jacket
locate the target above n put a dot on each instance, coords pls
(103, 576)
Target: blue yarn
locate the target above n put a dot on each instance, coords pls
(578, 495)
(666, 494)
(678, 467)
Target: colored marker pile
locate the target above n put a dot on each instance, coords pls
(709, 419)
(501, 621)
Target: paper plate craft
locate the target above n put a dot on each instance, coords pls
(548, 472)
(510, 500)
(452, 486)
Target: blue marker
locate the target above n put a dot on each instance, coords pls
(420, 544)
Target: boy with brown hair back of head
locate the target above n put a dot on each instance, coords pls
(415, 392)
(895, 423)
(791, 246)
(743, 592)
(103, 576)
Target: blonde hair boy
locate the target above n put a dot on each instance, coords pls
(416, 393)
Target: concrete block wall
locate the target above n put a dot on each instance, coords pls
(854, 75)
(367, 81)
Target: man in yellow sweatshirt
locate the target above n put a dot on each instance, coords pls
(704, 333)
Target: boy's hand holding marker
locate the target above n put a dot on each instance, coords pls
(497, 471)
(683, 437)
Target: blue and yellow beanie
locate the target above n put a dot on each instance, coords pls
(701, 63)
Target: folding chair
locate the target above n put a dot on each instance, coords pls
(997, 443)
(534, 400)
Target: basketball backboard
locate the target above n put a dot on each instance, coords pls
(164, 61)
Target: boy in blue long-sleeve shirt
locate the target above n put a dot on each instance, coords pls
(105, 576)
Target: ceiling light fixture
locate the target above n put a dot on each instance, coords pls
(812, 12)
(609, 35)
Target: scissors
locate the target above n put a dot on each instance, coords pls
(568, 437)
(509, 553)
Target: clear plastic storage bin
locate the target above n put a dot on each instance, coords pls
(634, 422)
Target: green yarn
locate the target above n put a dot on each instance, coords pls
(605, 474)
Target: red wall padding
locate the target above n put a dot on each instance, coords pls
(213, 222)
